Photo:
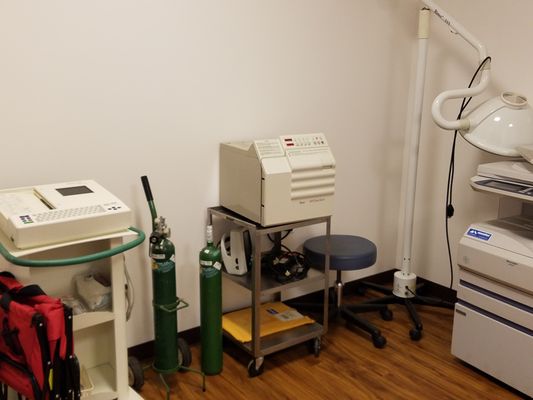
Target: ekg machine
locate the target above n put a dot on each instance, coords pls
(47, 214)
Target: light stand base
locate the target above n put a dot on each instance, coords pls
(406, 281)
(404, 285)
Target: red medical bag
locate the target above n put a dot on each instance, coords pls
(36, 346)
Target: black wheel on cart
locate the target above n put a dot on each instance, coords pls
(184, 354)
(256, 367)
(315, 345)
(135, 374)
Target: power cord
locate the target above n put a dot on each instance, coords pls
(282, 237)
(451, 170)
(286, 267)
(130, 296)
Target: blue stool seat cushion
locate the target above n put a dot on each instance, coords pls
(347, 253)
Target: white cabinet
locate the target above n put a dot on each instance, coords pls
(99, 337)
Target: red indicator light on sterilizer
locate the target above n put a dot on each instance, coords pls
(290, 144)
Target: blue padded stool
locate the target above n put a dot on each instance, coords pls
(348, 253)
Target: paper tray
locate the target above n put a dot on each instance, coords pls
(274, 317)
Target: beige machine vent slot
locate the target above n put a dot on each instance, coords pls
(312, 183)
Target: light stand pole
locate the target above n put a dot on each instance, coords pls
(405, 286)
(405, 280)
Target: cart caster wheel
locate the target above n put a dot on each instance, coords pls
(386, 314)
(415, 334)
(184, 354)
(379, 341)
(315, 346)
(135, 374)
(256, 367)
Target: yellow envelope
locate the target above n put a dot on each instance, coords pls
(275, 317)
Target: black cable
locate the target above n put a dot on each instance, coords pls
(282, 237)
(451, 170)
(286, 267)
(286, 248)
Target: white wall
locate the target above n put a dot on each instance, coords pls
(116, 89)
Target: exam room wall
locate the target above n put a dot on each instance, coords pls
(505, 29)
(112, 90)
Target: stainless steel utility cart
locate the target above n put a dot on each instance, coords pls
(262, 284)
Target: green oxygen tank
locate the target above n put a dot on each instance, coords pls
(164, 302)
(211, 306)
(164, 290)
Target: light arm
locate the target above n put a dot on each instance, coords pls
(436, 108)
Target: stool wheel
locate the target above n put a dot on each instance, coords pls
(415, 334)
(379, 341)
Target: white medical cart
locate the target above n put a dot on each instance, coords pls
(99, 336)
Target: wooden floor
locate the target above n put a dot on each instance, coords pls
(349, 367)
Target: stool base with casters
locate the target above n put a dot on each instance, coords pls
(349, 314)
(347, 253)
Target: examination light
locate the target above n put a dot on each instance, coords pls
(503, 126)
(500, 125)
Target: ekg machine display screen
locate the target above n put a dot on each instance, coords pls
(74, 190)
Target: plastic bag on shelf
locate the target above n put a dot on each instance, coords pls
(94, 290)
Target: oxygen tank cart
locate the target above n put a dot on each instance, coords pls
(171, 353)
